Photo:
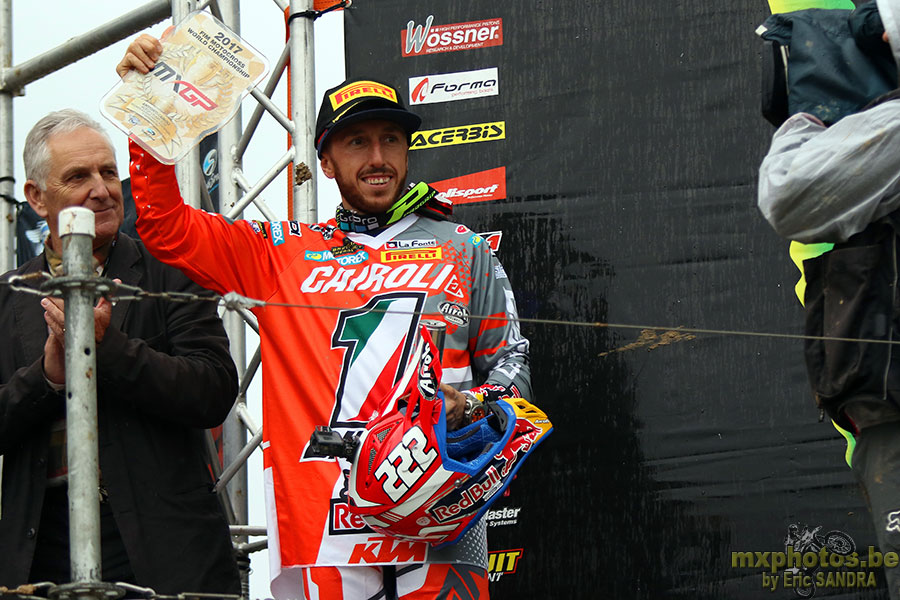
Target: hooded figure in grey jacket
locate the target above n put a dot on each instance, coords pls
(841, 185)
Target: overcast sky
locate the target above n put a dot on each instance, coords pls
(41, 26)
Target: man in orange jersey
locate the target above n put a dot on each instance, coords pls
(389, 257)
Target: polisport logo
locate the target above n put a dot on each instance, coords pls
(483, 186)
(416, 40)
(449, 87)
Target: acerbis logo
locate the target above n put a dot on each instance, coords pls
(449, 87)
(418, 39)
(483, 186)
(463, 134)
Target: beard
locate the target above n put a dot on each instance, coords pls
(372, 201)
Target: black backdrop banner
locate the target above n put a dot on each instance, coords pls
(612, 147)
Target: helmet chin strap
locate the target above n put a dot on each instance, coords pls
(418, 197)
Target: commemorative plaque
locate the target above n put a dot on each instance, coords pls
(196, 87)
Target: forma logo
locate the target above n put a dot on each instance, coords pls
(483, 186)
(449, 87)
(417, 40)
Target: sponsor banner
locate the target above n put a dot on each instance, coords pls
(398, 244)
(493, 239)
(386, 550)
(455, 313)
(429, 38)
(483, 186)
(503, 562)
(390, 256)
(499, 517)
(361, 89)
(343, 260)
(277, 233)
(449, 87)
(342, 521)
(460, 134)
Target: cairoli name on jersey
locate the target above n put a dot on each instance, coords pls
(372, 89)
(376, 277)
(390, 256)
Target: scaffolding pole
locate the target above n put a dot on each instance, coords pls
(188, 168)
(234, 435)
(76, 227)
(7, 160)
(303, 87)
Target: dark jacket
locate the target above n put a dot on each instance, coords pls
(852, 293)
(164, 374)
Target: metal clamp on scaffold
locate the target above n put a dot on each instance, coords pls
(99, 286)
(315, 14)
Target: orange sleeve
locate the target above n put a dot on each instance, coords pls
(218, 254)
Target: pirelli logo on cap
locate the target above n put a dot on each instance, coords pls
(391, 256)
(362, 89)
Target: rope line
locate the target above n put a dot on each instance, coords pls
(235, 302)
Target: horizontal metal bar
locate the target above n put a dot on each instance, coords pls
(17, 77)
(239, 461)
(253, 122)
(251, 547)
(246, 530)
(255, 191)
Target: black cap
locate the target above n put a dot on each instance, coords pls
(358, 100)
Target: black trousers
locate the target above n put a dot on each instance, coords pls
(876, 464)
(51, 555)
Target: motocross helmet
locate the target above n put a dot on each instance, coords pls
(413, 479)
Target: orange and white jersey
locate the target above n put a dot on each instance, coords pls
(331, 360)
